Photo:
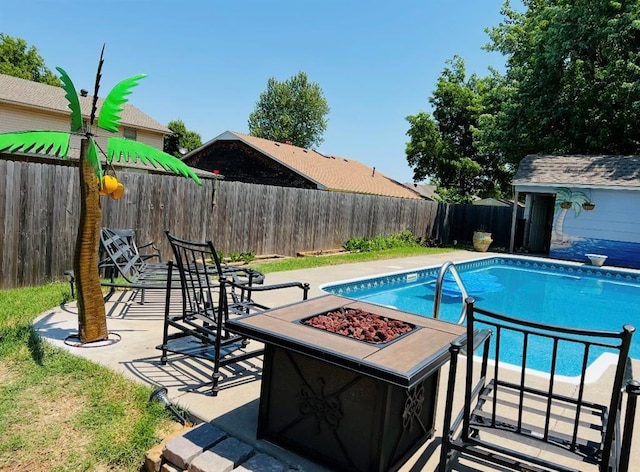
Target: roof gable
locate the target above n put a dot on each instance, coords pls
(26, 93)
(579, 171)
(328, 172)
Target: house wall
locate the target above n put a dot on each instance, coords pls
(239, 162)
(13, 118)
(612, 228)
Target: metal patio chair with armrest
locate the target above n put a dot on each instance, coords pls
(120, 258)
(126, 267)
(199, 328)
(151, 251)
(521, 420)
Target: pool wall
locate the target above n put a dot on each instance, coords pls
(347, 287)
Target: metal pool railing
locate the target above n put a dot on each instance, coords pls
(449, 267)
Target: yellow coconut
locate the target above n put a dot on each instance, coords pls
(101, 187)
(109, 184)
(118, 192)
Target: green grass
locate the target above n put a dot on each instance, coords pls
(294, 263)
(61, 412)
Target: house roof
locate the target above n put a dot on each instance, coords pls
(579, 171)
(328, 172)
(26, 93)
(427, 191)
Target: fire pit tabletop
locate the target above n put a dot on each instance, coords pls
(404, 361)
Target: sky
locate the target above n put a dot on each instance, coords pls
(208, 61)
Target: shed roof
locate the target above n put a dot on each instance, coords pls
(26, 93)
(328, 172)
(579, 171)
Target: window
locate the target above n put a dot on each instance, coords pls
(130, 133)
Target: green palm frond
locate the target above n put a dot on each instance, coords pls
(92, 157)
(43, 142)
(113, 105)
(72, 97)
(128, 150)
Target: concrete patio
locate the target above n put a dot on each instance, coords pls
(235, 409)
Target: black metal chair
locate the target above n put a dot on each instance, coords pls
(521, 420)
(208, 300)
(126, 267)
(123, 265)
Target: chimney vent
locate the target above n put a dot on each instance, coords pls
(84, 92)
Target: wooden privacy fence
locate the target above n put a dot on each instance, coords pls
(39, 205)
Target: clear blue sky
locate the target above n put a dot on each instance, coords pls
(208, 61)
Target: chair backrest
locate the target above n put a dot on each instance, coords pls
(121, 253)
(200, 271)
(535, 399)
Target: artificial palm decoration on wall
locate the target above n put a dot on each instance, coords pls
(92, 318)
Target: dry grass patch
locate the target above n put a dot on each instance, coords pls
(47, 439)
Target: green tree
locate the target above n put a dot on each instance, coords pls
(443, 145)
(19, 60)
(572, 84)
(291, 111)
(181, 138)
(92, 319)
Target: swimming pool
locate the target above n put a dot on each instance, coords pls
(566, 294)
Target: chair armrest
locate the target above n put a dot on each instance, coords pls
(479, 337)
(263, 288)
(237, 273)
(157, 253)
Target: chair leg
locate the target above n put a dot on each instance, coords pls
(633, 391)
(215, 388)
(167, 303)
(221, 311)
(454, 350)
(72, 281)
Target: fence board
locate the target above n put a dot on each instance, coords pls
(39, 205)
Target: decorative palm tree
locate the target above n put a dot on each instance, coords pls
(567, 199)
(92, 318)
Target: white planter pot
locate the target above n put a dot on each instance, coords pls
(597, 259)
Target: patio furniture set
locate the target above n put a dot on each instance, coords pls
(356, 405)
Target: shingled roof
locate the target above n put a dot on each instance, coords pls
(579, 171)
(328, 172)
(22, 92)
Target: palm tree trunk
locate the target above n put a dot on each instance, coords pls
(558, 229)
(92, 318)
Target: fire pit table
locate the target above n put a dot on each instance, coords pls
(347, 403)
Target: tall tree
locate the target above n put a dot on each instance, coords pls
(181, 139)
(19, 60)
(572, 83)
(443, 146)
(291, 111)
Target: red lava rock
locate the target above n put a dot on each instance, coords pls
(361, 325)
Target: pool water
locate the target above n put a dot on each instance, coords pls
(538, 290)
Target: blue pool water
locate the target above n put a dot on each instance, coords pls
(538, 290)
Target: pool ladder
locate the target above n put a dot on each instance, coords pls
(449, 266)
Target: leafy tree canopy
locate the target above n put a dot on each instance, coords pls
(291, 111)
(181, 139)
(19, 60)
(443, 145)
(573, 79)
